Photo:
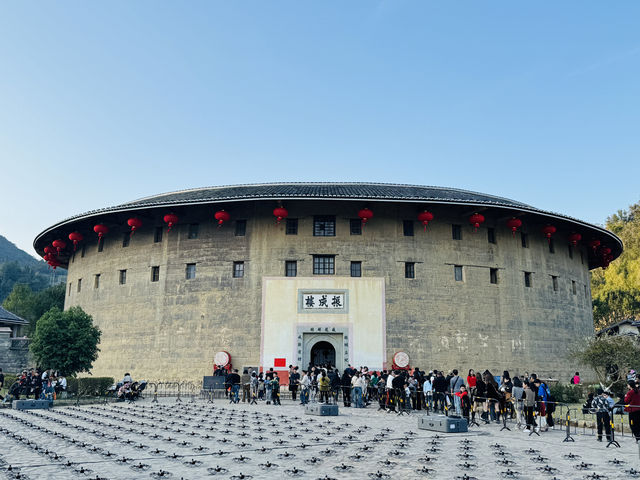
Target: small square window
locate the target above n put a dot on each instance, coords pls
(356, 269)
(79, 285)
(574, 288)
(409, 270)
(457, 272)
(291, 268)
(155, 273)
(524, 238)
(84, 249)
(292, 226)
(407, 228)
(491, 235)
(96, 281)
(241, 228)
(100, 244)
(73, 257)
(190, 271)
(157, 234)
(126, 238)
(324, 264)
(493, 275)
(527, 279)
(585, 291)
(581, 257)
(324, 226)
(456, 232)
(552, 247)
(238, 269)
(122, 278)
(193, 230)
(355, 226)
(570, 251)
(69, 292)
(554, 282)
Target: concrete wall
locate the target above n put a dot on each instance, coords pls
(14, 353)
(172, 328)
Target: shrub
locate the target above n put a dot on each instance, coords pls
(567, 393)
(9, 380)
(89, 386)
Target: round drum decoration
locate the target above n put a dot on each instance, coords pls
(401, 359)
(222, 359)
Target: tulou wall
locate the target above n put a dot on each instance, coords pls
(172, 328)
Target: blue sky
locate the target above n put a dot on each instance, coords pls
(101, 103)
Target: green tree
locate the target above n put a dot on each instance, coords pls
(610, 357)
(616, 290)
(30, 305)
(66, 341)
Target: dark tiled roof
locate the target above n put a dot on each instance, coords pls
(380, 191)
(7, 317)
(350, 191)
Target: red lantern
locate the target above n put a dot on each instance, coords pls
(605, 251)
(476, 219)
(222, 217)
(548, 230)
(48, 249)
(59, 244)
(75, 237)
(425, 217)
(280, 213)
(134, 223)
(514, 224)
(101, 230)
(574, 238)
(170, 219)
(365, 214)
(48, 256)
(594, 244)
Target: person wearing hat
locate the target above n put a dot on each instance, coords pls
(601, 406)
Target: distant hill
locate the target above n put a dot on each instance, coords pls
(10, 253)
(17, 266)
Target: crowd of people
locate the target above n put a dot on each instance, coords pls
(527, 399)
(37, 384)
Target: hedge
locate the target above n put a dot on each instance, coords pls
(567, 393)
(89, 386)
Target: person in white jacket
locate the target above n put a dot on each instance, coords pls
(305, 385)
(427, 390)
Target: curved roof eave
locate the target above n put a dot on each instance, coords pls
(321, 191)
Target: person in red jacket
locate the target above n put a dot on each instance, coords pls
(632, 405)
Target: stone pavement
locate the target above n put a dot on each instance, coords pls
(203, 440)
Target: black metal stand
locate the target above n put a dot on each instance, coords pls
(613, 435)
(533, 430)
(504, 420)
(568, 438)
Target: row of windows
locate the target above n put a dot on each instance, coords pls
(189, 274)
(325, 225)
(325, 265)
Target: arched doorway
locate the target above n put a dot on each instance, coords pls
(322, 353)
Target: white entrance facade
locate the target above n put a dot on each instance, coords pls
(305, 316)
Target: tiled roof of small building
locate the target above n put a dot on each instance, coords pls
(7, 317)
